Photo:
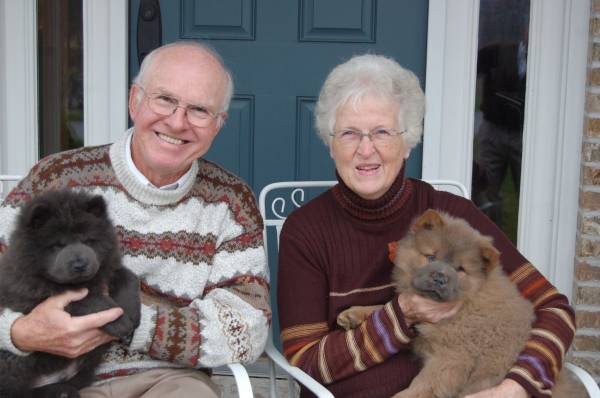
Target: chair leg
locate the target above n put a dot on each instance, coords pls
(291, 387)
(242, 380)
(272, 379)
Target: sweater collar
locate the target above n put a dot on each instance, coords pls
(376, 209)
(146, 193)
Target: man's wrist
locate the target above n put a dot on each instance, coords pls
(8, 319)
(15, 334)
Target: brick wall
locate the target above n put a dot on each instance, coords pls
(586, 289)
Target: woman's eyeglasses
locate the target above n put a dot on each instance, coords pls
(380, 137)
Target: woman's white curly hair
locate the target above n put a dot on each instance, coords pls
(376, 75)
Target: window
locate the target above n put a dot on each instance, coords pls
(60, 75)
(500, 110)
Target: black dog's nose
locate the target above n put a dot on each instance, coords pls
(79, 264)
(439, 278)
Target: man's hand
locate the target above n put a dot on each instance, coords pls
(419, 309)
(507, 389)
(49, 328)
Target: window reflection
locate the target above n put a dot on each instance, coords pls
(500, 109)
(60, 75)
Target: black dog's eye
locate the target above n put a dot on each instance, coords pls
(58, 245)
(430, 258)
(89, 241)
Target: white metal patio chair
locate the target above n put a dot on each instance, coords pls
(238, 371)
(292, 195)
(6, 182)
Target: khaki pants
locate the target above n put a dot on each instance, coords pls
(156, 383)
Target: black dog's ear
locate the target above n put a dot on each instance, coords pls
(430, 219)
(97, 206)
(38, 215)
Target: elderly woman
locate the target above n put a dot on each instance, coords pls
(333, 250)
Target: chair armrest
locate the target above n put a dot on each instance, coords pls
(298, 374)
(587, 380)
(242, 380)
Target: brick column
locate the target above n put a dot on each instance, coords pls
(586, 290)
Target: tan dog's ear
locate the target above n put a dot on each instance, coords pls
(430, 219)
(490, 256)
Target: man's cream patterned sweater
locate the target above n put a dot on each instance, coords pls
(197, 250)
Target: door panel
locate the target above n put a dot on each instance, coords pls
(224, 19)
(239, 145)
(280, 52)
(323, 21)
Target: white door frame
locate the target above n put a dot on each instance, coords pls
(556, 73)
(553, 123)
(18, 86)
(105, 65)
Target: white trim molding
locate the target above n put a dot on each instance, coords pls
(554, 117)
(104, 70)
(553, 122)
(18, 86)
(450, 90)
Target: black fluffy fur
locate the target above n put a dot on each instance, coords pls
(63, 240)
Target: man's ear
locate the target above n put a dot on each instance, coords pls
(133, 101)
(490, 256)
(222, 119)
(430, 219)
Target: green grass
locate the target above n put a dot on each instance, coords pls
(511, 208)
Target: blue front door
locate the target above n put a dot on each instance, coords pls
(280, 52)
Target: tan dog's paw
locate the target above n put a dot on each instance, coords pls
(348, 320)
(354, 316)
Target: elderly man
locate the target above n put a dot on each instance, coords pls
(188, 229)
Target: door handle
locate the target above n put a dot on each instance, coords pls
(149, 28)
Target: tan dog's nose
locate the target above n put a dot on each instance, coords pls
(439, 278)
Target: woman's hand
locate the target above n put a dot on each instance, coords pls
(507, 389)
(49, 328)
(419, 309)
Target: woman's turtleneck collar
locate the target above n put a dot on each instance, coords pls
(375, 209)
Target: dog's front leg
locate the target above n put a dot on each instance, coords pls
(124, 288)
(97, 301)
(438, 378)
(354, 316)
(58, 390)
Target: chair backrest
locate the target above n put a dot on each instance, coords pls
(6, 184)
(279, 199)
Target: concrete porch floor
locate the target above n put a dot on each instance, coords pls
(259, 379)
(260, 386)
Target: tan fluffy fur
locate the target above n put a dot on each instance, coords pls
(474, 349)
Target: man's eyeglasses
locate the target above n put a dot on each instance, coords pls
(165, 105)
(380, 137)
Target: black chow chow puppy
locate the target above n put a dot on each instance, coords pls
(63, 240)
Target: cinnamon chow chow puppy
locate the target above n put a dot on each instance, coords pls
(445, 259)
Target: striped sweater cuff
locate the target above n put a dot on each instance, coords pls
(533, 387)
(7, 318)
(142, 336)
(408, 331)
